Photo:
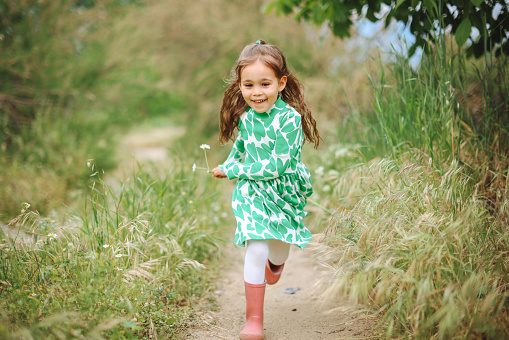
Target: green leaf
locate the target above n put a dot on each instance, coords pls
(463, 32)
(477, 3)
(431, 4)
(267, 8)
(398, 3)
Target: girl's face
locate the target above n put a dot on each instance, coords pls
(260, 87)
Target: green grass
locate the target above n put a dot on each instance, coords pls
(419, 234)
(131, 263)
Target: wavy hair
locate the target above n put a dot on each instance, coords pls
(234, 104)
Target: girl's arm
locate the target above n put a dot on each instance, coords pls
(288, 141)
(236, 156)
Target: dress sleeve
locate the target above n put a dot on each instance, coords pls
(287, 147)
(236, 155)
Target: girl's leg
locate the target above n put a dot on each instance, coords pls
(278, 252)
(257, 252)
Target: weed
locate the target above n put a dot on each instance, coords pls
(130, 263)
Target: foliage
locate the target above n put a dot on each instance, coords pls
(129, 264)
(419, 233)
(419, 249)
(425, 18)
(55, 114)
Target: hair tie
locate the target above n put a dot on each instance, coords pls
(258, 42)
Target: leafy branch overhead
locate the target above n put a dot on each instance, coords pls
(490, 18)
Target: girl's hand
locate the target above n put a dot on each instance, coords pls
(218, 173)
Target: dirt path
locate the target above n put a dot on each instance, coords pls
(141, 146)
(298, 316)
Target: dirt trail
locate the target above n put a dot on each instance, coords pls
(144, 145)
(298, 316)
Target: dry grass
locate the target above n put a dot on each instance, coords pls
(421, 250)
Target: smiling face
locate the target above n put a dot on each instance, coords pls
(260, 87)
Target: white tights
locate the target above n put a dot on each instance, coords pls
(257, 253)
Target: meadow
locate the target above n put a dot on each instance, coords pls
(413, 170)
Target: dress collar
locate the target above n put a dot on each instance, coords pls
(278, 106)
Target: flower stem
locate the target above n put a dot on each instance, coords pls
(207, 170)
(206, 161)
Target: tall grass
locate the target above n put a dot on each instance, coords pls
(420, 250)
(130, 263)
(417, 110)
(419, 236)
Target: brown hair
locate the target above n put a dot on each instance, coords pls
(293, 94)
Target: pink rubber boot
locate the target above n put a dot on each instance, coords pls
(255, 294)
(273, 272)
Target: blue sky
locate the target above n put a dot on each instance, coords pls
(395, 39)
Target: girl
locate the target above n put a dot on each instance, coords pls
(265, 102)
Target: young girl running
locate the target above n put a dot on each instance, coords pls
(265, 102)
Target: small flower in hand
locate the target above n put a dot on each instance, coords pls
(204, 147)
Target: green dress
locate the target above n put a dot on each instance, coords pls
(273, 184)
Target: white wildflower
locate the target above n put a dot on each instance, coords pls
(106, 245)
(204, 146)
(52, 236)
(119, 255)
(194, 167)
(319, 171)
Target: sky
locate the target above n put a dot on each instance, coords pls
(393, 40)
